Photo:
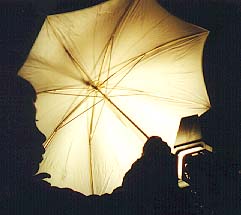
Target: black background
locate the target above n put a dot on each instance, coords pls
(21, 20)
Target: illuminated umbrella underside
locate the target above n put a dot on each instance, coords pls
(108, 77)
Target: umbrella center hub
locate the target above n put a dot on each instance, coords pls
(95, 84)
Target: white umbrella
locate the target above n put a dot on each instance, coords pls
(107, 77)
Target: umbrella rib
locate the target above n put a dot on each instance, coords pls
(111, 48)
(81, 69)
(102, 63)
(119, 70)
(133, 123)
(80, 114)
(177, 41)
(74, 109)
(94, 42)
(47, 142)
(56, 89)
(91, 169)
(156, 48)
(162, 46)
(201, 100)
(70, 94)
(111, 39)
(167, 99)
(130, 70)
(183, 39)
(99, 116)
(60, 125)
(137, 92)
(111, 102)
(128, 63)
(140, 58)
(123, 18)
(109, 44)
(90, 148)
(118, 26)
(170, 100)
(91, 133)
(103, 52)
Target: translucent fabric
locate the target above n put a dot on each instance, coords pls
(107, 78)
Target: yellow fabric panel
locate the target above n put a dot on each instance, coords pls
(107, 77)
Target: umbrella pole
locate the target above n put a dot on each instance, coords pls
(111, 102)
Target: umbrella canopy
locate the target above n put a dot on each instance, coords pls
(107, 77)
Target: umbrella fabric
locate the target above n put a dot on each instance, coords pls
(108, 77)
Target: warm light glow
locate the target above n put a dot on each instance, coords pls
(108, 77)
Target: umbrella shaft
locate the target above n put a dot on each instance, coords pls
(111, 102)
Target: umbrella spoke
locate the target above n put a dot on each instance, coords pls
(72, 94)
(48, 141)
(122, 68)
(170, 44)
(91, 135)
(139, 60)
(98, 119)
(119, 25)
(63, 122)
(130, 8)
(110, 42)
(107, 47)
(119, 110)
(87, 109)
(90, 144)
(102, 53)
(60, 89)
(92, 127)
(128, 66)
(125, 64)
(149, 54)
(173, 100)
(111, 48)
(80, 67)
(61, 125)
(69, 109)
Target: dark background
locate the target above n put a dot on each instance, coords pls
(21, 20)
